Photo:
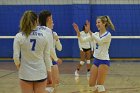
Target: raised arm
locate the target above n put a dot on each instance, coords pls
(81, 39)
(76, 28)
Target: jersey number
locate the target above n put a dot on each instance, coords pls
(33, 41)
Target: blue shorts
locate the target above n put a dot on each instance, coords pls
(54, 63)
(98, 62)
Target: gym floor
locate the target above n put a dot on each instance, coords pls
(123, 77)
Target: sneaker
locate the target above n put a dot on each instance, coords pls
(88, 74)
(49, 89)
(76, 73)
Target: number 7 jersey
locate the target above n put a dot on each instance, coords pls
(35, 55)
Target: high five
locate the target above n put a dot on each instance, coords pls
(101, 61)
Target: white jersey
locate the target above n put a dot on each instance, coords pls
(87, 44)
(51, 41)
(57, 44)
(102, 44)
(35, 55)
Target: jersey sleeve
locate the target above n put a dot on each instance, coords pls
(58, 45)
(16, 49)
(92, 45)
(52, 51)
(79, 44)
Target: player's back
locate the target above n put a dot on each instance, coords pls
(32, 46)
(32, 54)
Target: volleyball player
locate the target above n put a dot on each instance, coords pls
(101, 61)
(33, 46)
(46, 21)
(55, 69)
(85, 51)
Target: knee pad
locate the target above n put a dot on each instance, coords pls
(82, 62)
(88, 61)
(100, 88)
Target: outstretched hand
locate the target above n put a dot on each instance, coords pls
(88, 26)
(76, 28)
(87, 22)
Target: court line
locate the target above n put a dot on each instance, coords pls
(111, 89)
(117, 74)
(8, 74)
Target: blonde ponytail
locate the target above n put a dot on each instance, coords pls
(27, 22)
(110, 24)
(107, 21)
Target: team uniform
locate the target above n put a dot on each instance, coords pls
(33, 53)
(85, 46)
(53, 55)
(102, 43)
(85, 52)
(51, 41)
(56, 45)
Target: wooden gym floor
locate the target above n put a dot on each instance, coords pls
(123, 77)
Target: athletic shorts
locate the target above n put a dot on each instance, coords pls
(34, 80)
(98, 62)
(54, 63)
(85, 50)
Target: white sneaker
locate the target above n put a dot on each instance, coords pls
(76, 73)
(49, 89)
